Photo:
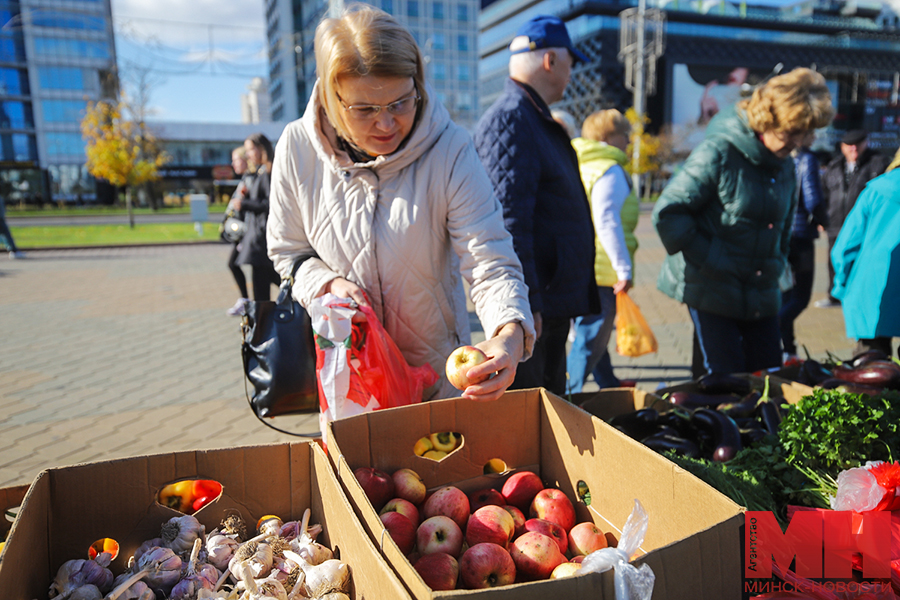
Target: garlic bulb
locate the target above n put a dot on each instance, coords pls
(159, 568)
(271, 526)
(195, 577)
(334, 596)
(257, 555)
(330, 576)
(311, 552)
(74, 574)
(268, 589)
(179, 533)
(87, 592)
(220, 549)
(138, 591)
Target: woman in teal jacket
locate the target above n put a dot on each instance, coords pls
(725, 221)
(866, 259)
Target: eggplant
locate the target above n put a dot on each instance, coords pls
(725, 433)
(769, 416)
(679, 420)
(752, 435)
(866, 357)
(721, 383)
(662, 442)
(637, 424)
(693, 400)
(813, 373)
(850, 388)
(879, 373)
(744, 408)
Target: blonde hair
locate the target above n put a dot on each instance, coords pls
(604, 123)
(894, 163)
(241, 153)
(795, 101)
(363, 41)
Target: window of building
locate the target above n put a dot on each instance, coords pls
(14, 82)
(61, 78)
(18, 147)
(440, 71)
(412, 8)
(464, 101)
(438, 41)
(387, 6)
(462, 12)
(462, 43)
(463, 72)
(66, 20)
(64, 144)
(71, 181)
(63, 111)
(437, 11)
(12, 48)
(16, 115)
(51, 46)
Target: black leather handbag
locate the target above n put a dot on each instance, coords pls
(279, 356)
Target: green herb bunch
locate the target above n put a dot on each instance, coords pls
(830, 431)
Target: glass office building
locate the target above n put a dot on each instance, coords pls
(55, 56)
(715, 51)
(444, 29)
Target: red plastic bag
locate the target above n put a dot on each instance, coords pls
(381, 371)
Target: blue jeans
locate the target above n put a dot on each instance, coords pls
(737, 346)
(590, 352)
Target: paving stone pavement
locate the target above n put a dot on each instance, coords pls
(116, 352)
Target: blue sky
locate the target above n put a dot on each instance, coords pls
(199, 55)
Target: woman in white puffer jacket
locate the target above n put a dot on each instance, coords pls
(375, 190)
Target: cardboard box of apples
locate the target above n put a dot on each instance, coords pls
(529, 483)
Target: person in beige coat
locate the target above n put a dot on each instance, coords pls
(379, 197)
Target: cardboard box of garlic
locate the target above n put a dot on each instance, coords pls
(69, 510)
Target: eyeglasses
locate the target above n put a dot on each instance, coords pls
(367, 112)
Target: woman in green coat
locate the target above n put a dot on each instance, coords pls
(725, 221)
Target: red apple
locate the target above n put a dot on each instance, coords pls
(566, 569)
(550, 529)
(448, 501)
(535, 555)
(440, 571)
(439, 534)
(458, 364)
(518, 519)
(402, 531)
(578, 559)
(486, 566)
(378, 485)
(404, 507)
(520, 489)
(585, 538)
(492, 524)
(409, 486)
(553, 505)
(485, 497)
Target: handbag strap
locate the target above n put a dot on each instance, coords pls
(313, 434)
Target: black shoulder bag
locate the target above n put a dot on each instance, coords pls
(279, 356)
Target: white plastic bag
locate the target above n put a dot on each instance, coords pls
(331, 320)
(632, 583)
(857, 489)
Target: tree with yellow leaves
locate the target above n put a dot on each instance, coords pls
(656, 150)
(120, 150)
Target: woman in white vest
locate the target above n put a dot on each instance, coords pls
(615, 210)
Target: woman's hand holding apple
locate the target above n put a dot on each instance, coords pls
(504, 351)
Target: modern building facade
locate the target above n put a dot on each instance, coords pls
(255, 103)
(444, 29)
(55, 57)
(715, 51)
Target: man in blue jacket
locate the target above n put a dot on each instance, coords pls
(534, 171)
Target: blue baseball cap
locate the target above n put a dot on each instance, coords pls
(545, 31)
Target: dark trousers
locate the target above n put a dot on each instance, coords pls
(794, 301)
(547, 365)
(879, 343)
(238, 273)
(263, 277)
(5, 232)
(832, 237)
(735, 345)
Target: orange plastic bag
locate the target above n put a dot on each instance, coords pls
(633, 336)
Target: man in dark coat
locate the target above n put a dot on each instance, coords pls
(845, 177)
(534, 171)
